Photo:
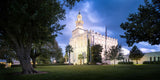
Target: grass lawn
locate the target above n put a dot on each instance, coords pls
(87, 72)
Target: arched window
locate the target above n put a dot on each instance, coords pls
(150, 58)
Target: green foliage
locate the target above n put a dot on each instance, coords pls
(125, 62)
(113, 53)
(61, 60)
(96, 53)
(151, 62)
(120, 56)
(2, 66)
(25, 22)
(88, 52)
(43, 59)
(135, 54)
(66, 57)
(6, 52)
(69, 49)
(143, 25)
(80, 57)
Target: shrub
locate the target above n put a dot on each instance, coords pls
(15, 65)
(2, 65)
(151, 62)
(125, 62)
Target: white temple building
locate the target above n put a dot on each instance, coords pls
(79, 42)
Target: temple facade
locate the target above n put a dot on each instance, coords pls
(79, 42)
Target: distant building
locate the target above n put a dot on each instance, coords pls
(79, 41)
(152, 56)
(2, 61)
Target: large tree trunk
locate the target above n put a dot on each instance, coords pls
(24, 58)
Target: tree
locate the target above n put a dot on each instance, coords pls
(6, 52)
(23, 23)
(143, 25)
(35, 52)
(96, 53)
(113, 53)
(59, 54)
(88, 52)
(66, 57)
(44, 59)
(120, 56)
(135, 54)
(61, 60)
(69, 49)
(80, 57)
(49, 48)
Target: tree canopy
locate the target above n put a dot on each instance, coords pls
(69, 49)
(24, 22)
(135, 54)
(143, 25)
(80, 57)
(96, 53)
(6, 52)
(113, 53)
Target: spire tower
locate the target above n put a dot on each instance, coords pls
(79, 22)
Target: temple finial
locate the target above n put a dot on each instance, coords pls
(79, 12)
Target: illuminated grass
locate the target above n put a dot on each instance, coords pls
(88, 72)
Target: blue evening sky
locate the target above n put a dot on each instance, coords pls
(97, 14)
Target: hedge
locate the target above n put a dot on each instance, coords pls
(2, 65)
(151, 62)
(125, 62)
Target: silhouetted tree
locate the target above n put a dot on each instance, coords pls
(69, 49)
(143, 25)
(135, 54)
(113, 53)
(96, 53)
(88, 52)
(24, 22)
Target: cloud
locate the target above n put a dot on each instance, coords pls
(89, 16)
(92, 15)
(146, 50)
(124, 51)
(144, 43)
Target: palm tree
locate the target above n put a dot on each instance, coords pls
(66, 57)
(69, 49)
(80, 56)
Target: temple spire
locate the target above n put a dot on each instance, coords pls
(79, 22)
(79, 12)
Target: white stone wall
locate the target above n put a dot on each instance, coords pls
(97, 38)
(79, 43)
